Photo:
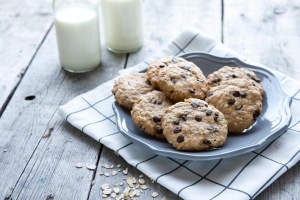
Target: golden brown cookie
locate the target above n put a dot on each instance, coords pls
(231, 73)
(148, 111)
(156, 66)
(239, 101)
(128, 88)
(182, 80)
(193, 125)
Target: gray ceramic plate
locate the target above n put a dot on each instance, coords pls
(273, 121)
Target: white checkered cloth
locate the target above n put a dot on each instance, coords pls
(240, 177)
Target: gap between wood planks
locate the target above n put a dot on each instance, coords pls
(2, 109)
(125, 64)
(97, 164)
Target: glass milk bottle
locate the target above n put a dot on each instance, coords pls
(123, 25)
(77, 33)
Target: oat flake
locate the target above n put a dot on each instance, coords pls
(107, 191)
(125, 171)
(91, 167)
(154, 194)
(114, 172)
(79, 165)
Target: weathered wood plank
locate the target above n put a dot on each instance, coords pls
(164, 20)
(23, 26)
(33, 166)
(267, 32)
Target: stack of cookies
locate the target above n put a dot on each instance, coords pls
(175, 101)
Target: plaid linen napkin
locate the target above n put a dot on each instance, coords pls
(239, 177)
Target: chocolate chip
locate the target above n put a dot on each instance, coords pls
(243, 94)
(256, 80)
(236, 93)
(215, 80)
(159, 102)
(174, 60)
(195, 104)
(161, 66)
(176, 122)
(208, 113)
(183, 76)
(183, 117)
(216, 130)
(180, 139)
(159, 130)
(177, 129)
(231, 102)
(192, 91)
(216, 114)
(156, 119)
(210, 127)
(233, 76)
(216, 118)
(206, 141)
(148, 82)
(174, 80)
(187, 68)
(206, 105)
(198, 118)
(210, 94)
(256, 113)
(239, 107)
(154, 102)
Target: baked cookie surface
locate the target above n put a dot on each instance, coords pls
(128, 88)
(181, 81)
(148, 111)
(231, 73)
(194, 125)
(156, 66)
(239, 101)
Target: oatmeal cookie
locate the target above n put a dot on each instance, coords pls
(194, 125)
(148, 111)
(156, 66)
(239, 101)
(181, 81)
(231, 73)
(128, 88)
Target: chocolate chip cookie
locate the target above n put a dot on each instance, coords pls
(239, 101)
(156, 66)
(181, 81)
(148, 111)
(194, 125)
(231, 73)
(128, 88)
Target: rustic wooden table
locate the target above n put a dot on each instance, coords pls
(38, 149)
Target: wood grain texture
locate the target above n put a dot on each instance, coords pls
(33, 165)
(265, 31)
(164, 20)
(23, 26)
(268, 32)
(110, 158)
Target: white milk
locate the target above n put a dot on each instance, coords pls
(123, 24)
(77, 32)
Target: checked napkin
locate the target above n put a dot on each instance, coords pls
(239, 177)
